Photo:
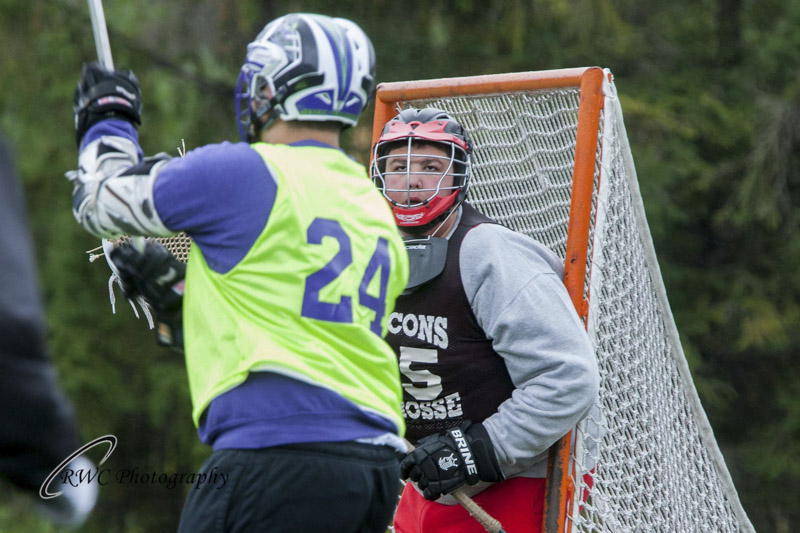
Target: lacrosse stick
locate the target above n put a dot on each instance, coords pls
(489, 523)
(104, 58)
(179, 244)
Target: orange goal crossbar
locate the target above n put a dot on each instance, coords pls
(590, 81)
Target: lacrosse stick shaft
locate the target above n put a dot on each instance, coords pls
(489, 523)
(103, 47)
(100, 34)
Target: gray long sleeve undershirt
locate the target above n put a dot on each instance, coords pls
(515, 288)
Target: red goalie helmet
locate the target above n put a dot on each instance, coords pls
(421, 165)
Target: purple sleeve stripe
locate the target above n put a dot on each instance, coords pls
(113, 127)
(221, 195)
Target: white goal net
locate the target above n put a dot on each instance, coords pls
(656, 466)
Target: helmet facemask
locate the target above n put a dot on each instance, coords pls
(422, 169)
(256, 97)
(305, 67)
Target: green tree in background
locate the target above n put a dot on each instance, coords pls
(711, 95)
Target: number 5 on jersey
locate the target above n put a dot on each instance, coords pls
(342, 311)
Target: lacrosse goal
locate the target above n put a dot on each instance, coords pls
(552, 161)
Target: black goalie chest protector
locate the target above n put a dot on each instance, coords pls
(449, 371)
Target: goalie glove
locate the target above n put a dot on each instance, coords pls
(103, 94)
(443, 462)
(157, 276)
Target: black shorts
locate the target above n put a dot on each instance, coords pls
(317, 487)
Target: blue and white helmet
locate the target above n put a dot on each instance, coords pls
(304, 66)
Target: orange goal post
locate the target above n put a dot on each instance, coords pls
(552, 161)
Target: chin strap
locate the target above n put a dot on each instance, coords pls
(425, 229)
(257, 120)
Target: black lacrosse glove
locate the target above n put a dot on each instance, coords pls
(441, 463)
(102, 94)
(159, 278)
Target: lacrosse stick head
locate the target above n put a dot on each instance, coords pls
(305, 67)
(178, 245)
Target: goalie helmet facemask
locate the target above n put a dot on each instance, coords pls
(305, 67)
(421, 165)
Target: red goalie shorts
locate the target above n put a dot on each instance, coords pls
(517, 503)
